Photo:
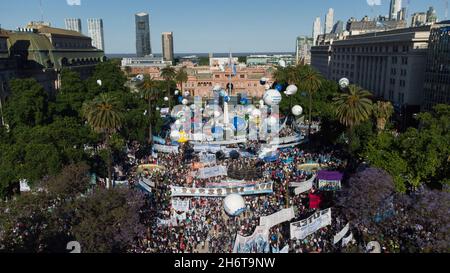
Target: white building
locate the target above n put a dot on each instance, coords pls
(329, 21)
(95, 31)
(394, 9)
(73, 24)
(316, 30)
(145, 62)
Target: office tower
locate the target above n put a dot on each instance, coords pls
(143, 44)
(338, 28)
(418, 19)
(316, 30)
(396, 6)
(431, 15)
(95, 31)
(401, 15)
(73, 24)
(329, 21)
(167, 46)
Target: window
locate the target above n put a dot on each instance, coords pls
(404, 60)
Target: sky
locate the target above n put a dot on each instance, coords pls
(201, 26)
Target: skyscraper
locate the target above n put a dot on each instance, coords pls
(431, 15)
(316, 30)
(95, 31)
(329, 21)
(396, 6)
(73, 24)
(143, 44)
(167, 46)
(338, 28)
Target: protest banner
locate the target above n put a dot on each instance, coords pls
(341, 234)
(159, 140)
(347, 240)
(306, 185)
(207, 159)
(165, 149)
(277, 218)
(215, 171)
(258, 242)
(181, 205)
(302, 229)
(261, 188)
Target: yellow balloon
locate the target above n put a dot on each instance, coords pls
(183, 137)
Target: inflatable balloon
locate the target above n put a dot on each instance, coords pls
(180, 99)
(239, 124)
(166, 99)
(297, 110)
(226, 99)
(140, 77)
(217, 88)
(185, 102)
(263, 81)
(234, 205)
(282, 63)
(177, 92)
(157, 108)
(279, 87)
(344, 83)
(183, 137)
(291, 90)
(244, 101)
(272, 97)
(256, 113)
(187, 94)
(175, 135)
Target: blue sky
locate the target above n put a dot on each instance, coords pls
(201, 26)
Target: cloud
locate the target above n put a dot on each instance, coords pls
(373, 2)
(74, 2)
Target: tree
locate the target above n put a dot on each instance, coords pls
(382, 111)
(71, 96)
(168, 74)
(112, 77)
(108, 221)
(311, 81)
(181, 77)
(147, 88)
(27, 105)
(104, 116)
(368, 192)
(71, 182)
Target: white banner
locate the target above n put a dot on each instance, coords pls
(302, 229)
(24, 187)
(212, 172)
(341, 234)
(207, 148)
(181, 205)
(347, 240)
(165, 149)
(209, 159)
(161, 222)
(261, 188)
(258, 242)
(285, 140)
(277, 218)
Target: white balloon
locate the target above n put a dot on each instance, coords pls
(175, 135)
(185, 102)
(282, 63)
(177, 92)
(166, 99)
(271, 121)
(344, 83)
(272, 97)
(234, 204)
(217, 88)
(157, 108)
(297, 110)
(217, 114)
(256, 113)
(291, 90)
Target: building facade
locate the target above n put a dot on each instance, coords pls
(316, 30)
(418, 19)
(143, 43)
(437, 73)
(270, 60)
(73, 24)
(394, 9)
(303, 50)
(167, 46)
(390, 64)
(95, 30)
(329, 21)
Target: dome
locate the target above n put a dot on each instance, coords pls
(234, 204)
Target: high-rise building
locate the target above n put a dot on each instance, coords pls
(418, 19)
(143, 43)
(303, 50)
(338, 28)
(437, 73)
(167, 46)
(401, 15)
(316, 30)
(395, 7)
(329, 21)
(73, 24)
(95, 31)
(431, 15)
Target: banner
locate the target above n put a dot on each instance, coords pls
(209, 159)
(285, 140)
(181, 205)
(258, 242)
(277, 218)
(164, 223)
(262, 188)
(159, 140)
(165, 149)
(231, 183)
(302, 229)
(347, 240)
(341, 234)
(305, 184)
(212, 172)
(207, 148)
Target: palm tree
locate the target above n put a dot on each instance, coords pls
(168, 74)
(181, 77)
(147, 89)
(382, 111)
(354, 107)
(310, 81)
(104, 116)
